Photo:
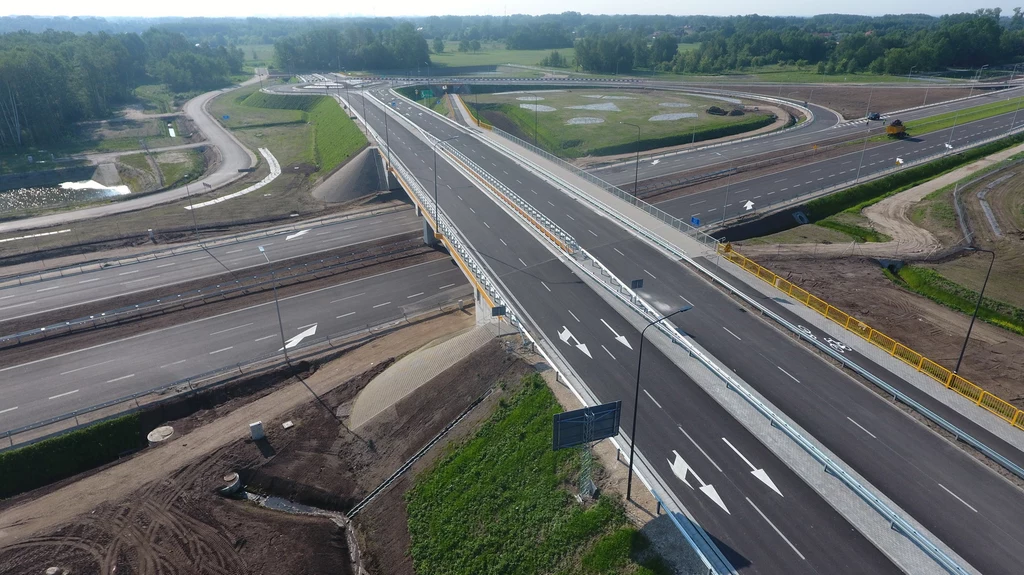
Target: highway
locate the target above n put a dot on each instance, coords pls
(233, 157)
(22, 301)
(58, 384)
(823, 127)
(676, 415)
(919, 472)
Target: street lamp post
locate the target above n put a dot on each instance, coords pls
(536, 99)
(636, 398)
(1013, 121)
(437, 222)
(636, 172)
(976, 306)
(911, 73)
(277, 305)
(387, 138)
(195, 225)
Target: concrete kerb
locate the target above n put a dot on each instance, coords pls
(913, 538)
(900, 369)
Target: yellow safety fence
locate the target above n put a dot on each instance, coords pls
(476, 115)
(979, 396)
(451, 249)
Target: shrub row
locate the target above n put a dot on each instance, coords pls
(932, 285)
(864, 195)
(54, 459)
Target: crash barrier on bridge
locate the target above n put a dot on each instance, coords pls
(260, 365)
(584, 261)
(1000, 408)
(533, 216)
(201, 296)
(661, 215)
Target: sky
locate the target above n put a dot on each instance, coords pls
(244, 8)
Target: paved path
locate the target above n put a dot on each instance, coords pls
(233, 156)
(414, 370)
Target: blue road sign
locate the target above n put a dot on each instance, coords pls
(585, 425)
(694, 220)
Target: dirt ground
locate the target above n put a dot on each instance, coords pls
(852, 101)
(157, 511)
(994, 359)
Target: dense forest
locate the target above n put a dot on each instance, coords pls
(50, 80)
(353, 48)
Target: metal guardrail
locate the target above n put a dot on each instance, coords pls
(181, 299)
(994, 405)
(213, 378)
(66, 271)
(565, 241)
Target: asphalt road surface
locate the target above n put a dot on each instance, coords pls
(62, 383)
(923, 473)
(58, 293)
(233, 157)
(794, 533)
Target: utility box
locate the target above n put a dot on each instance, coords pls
(256, 431)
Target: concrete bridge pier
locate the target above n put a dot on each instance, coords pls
(428, 234)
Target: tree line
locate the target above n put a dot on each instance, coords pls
(50, 80)
(353, 47)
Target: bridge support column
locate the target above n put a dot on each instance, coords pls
(428, 234)
(483, 310)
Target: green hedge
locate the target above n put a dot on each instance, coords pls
(933, 286)
(54, 459)
(864, 195)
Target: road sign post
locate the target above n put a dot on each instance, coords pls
(581, 428)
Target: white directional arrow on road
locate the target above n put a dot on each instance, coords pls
(655, 162)
(296, 235)
(748, 205)
(620, 338)
(566, 335)
(295, 340)
(760, 474)
(681, 469)
(899, 160)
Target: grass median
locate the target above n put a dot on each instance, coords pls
(501, 503)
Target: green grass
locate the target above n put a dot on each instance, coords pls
(335, 136)
(245, 114)
(943, 121)
(613, 136)
(492, 54)
(157, 99)
(257, 54)
(789, 74)
(190, 166)
(859, 233)
(933, 286)
(499, 504)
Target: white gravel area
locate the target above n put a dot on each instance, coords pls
(603, 107)
(674, 105)
(584, 120)
(669, 117)
(537, 107)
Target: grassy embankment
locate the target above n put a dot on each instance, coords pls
(949, 119)
(609, 135)
(842, 211)
(499, 503)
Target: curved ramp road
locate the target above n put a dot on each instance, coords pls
(233, 157)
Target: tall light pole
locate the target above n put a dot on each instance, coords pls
(387, 139)
(1014, 120)
(195, 225)
(728, 183)
(636, 172)
(535, 106)
(277, 305)
(437, 222)
(976, 306)
(911, 73)
(636, 398)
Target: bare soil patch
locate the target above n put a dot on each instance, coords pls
(994, 359)
(157, 511)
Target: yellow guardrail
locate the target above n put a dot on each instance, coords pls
(451, 250)
(476, 116)
(1002, 409)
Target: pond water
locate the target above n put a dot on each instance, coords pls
(52, 196)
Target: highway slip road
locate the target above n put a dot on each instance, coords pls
(822, 128)
(922, 472)
(233, 157)
(62, 383)
(759, 529)
(58, 293)
(774, 188)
